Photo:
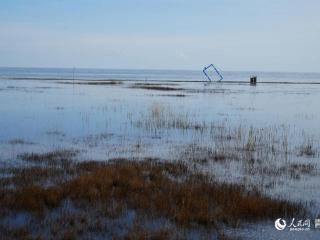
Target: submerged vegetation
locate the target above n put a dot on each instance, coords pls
(19, 141)
(100, 82)
(156, 86)
(307, 149)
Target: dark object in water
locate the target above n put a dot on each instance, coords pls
(253, 80)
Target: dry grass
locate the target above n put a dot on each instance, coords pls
(158, 189)
(150, 188)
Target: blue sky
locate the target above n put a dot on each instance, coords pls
(267, 35)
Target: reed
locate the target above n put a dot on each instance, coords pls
(154, 189)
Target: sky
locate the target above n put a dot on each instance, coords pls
(242, 35)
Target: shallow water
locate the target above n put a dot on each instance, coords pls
(107, 121)
(44, 111)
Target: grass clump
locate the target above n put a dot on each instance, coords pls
(167, 190)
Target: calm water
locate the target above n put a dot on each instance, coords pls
(101, 120)
(51, 114)
(167, 75)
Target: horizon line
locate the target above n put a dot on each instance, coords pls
(162, 69)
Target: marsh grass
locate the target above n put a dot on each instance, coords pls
(61, 157)
(203, 154)
(100, 82)
(291, 170)
(161, 117)
(156, 86)
(264, 152)
(307, 149)
(174, 95)
(21, 177)
(18, 141)
(184, 196)
(92, 141)
(56, 133)
(150, 188)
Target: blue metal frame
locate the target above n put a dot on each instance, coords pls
(217, 71)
